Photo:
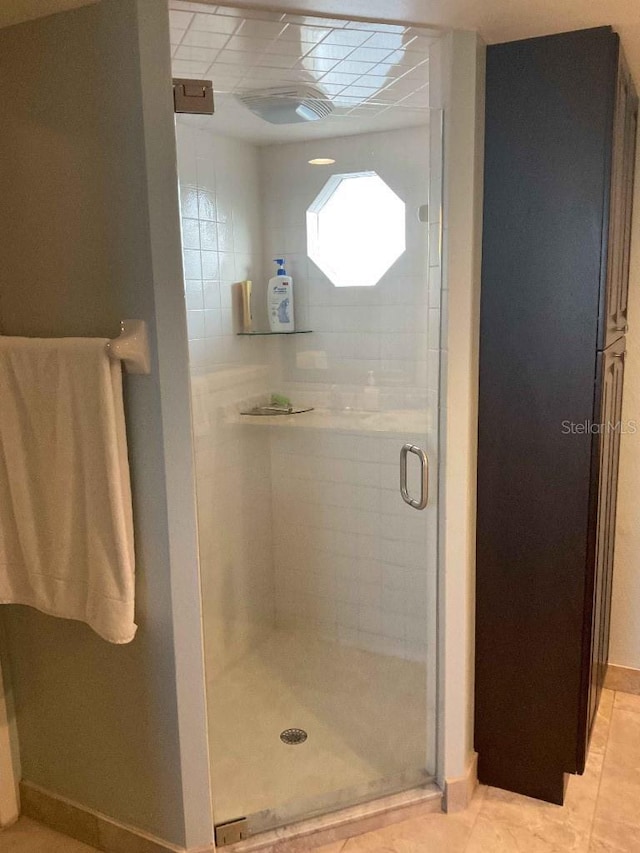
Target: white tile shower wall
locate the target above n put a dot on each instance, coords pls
(222, 245)
(351, 559)
(233, 477)
(392, 329)
(353, 562)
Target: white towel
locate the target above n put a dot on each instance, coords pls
(66, 531)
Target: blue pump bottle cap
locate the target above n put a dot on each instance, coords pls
(281, 270)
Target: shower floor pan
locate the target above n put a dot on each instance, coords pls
(365, 716)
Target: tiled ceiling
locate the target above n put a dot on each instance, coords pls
(375, 75)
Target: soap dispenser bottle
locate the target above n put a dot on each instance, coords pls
(280, 300)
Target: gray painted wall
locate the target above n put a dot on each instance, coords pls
(100, 724)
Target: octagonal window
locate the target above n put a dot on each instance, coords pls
(356, 229)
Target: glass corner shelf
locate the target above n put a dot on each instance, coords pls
(264, 334)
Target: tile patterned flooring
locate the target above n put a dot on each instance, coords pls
(27, 836)
(601, 813)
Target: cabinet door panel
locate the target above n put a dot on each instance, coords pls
(620, 203)
(631, 127)
(609, 427)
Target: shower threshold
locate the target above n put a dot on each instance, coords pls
(345, 823)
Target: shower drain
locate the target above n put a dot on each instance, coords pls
(293, 737)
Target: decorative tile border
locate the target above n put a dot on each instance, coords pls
(623, 678)
(89, 826)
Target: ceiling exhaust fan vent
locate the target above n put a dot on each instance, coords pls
(287, 104)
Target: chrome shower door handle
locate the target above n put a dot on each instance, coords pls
(424, 476)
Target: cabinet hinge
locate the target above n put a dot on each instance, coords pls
(193, 96)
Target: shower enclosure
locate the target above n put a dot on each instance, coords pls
(319, 529)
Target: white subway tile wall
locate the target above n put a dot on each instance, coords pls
(222, 244)
(233, 477)
(391, 329)
(351, 559)
(305, 528)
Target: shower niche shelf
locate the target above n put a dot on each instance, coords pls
(399, 422)
(269, 333)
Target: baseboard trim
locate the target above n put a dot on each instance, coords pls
(458, 792)
(89, 826)
(622, 678)
(340, 825)
(102, 832)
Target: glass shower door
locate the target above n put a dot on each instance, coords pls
(333, 703)
(318, 532)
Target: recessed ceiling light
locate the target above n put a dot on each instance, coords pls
(321, 161)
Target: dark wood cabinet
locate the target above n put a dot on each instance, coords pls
(561, 121)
